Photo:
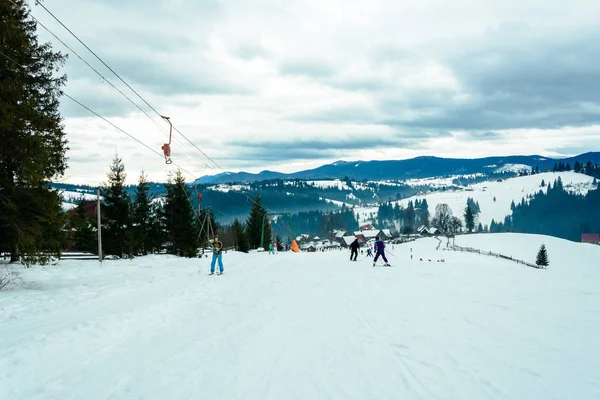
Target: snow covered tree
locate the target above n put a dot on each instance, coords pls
(142, 216)
(182, 232)
(254, 225)
(117, 234)
(542, 257)
(33, 140)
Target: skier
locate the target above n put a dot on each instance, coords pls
(369, 252)
(271, 248)
(379, 251)
(354, 250)
(217, 248)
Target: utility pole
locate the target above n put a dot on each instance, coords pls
(99, 227)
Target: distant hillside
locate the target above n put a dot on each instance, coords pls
(419, 167)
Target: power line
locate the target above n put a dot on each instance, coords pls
(163, 129)
(126, 84)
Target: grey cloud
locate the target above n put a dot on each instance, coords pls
(309, 68)
(250, 51)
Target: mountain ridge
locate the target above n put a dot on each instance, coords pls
(417, 167)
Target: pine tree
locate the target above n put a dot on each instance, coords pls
(181, 227)
(469, 219)
(494, 199)
(142, 216)
(158, 226)
(33, 140)
(241, 241)
(84, 237)
(117, 234)
(542, 257)
(577, 167)
(480, 228)
(409, 219)
(254, 225)
(424, 213)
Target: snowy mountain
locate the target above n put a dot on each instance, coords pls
(419, 167)
(504, 192)
(310, 326)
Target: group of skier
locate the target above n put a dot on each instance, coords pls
(379, 248)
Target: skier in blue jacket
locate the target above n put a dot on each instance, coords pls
(217, 249)
(379, 251)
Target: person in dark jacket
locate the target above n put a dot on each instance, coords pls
(354, 250)
(379, 251)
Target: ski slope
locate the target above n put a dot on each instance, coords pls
(310, 326)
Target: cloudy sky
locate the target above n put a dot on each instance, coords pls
(292, 84)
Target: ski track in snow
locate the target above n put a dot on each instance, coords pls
(311, 325)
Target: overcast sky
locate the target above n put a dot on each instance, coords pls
(293, 84)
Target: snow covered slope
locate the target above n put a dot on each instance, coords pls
(513, 189)
(310, 326)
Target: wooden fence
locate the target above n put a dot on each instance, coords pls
(492, 254)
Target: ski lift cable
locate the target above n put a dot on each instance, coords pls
(119, 129)
(132, 89)
(186, 148)
(124, 82)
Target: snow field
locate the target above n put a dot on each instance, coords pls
(513, 189)
(310, 325)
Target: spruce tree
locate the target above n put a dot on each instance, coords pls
(85, 237)
(33, 140)
(117, 235)
(181, 227)
(158, 226)
(542, 257)
(424, 213)
(241, 241)
(142, 216)
(254, 225)
(469, 219)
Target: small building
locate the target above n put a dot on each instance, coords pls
(366, 227)
(590, 238)
(428, 231)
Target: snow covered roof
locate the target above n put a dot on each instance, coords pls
(387, 232)
(370, 234)
(340, 234)
(349, 239)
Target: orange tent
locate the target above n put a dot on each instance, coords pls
(295, 247)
